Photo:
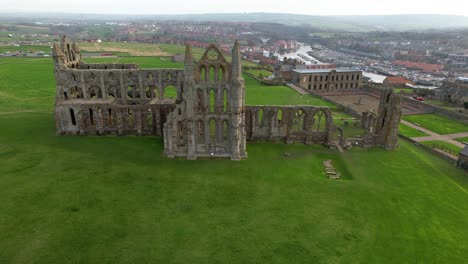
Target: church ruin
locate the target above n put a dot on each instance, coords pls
(199, 110)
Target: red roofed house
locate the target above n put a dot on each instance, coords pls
(425, 67)
(396, 81)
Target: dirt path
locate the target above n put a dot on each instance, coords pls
(434, 136)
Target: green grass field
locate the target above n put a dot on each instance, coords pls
(442, 145)
(113, 199)
(260, 73)
(410, 132)
(437, 123)
(463, 139)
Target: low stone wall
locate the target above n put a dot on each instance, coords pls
(439, 110)
(433, 151)
(291, 124)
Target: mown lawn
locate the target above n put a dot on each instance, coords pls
(119, 200)
(437, 123)
(410, 132)
(463, 139)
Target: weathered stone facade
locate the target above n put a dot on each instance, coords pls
(200, 109)
(382, 128)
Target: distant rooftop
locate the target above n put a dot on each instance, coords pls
(324, 70)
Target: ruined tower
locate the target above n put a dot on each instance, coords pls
(382, 128)
(210, 119)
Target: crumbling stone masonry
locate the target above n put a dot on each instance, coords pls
(199, 110)
(382, 128)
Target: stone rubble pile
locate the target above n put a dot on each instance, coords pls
(330, 170)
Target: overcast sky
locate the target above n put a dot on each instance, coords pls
(308, 7)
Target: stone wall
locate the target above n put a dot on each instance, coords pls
(301, 124)
(104, 117)
(122, 84)
(439, 110)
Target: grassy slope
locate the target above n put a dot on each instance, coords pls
(118, 199)
(437, 123)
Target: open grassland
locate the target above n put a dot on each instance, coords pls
(26, 48)
(119, 200)
(410, 132)
(463, 139)
(134, 49)
(147, 49)
(437, 123)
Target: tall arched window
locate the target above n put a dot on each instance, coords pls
(226, 101)
(203, 73)
(320, 121)
(212, 75)
(225, 129)
(149, 119)
(298, 121)
(213, 129)
(279, 116)
(260, 117)
(212, 101)
(220, 74)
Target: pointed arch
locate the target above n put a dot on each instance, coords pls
(299, 120)
(149, 92)
(320, 121)
(95, 92)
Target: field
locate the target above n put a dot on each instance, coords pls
(260, 73)
(119, 200)
(437, 123)
(463, 139)
(410, 132)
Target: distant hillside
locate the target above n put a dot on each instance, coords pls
(341, 23)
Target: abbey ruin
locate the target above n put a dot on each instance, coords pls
(199, 110)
